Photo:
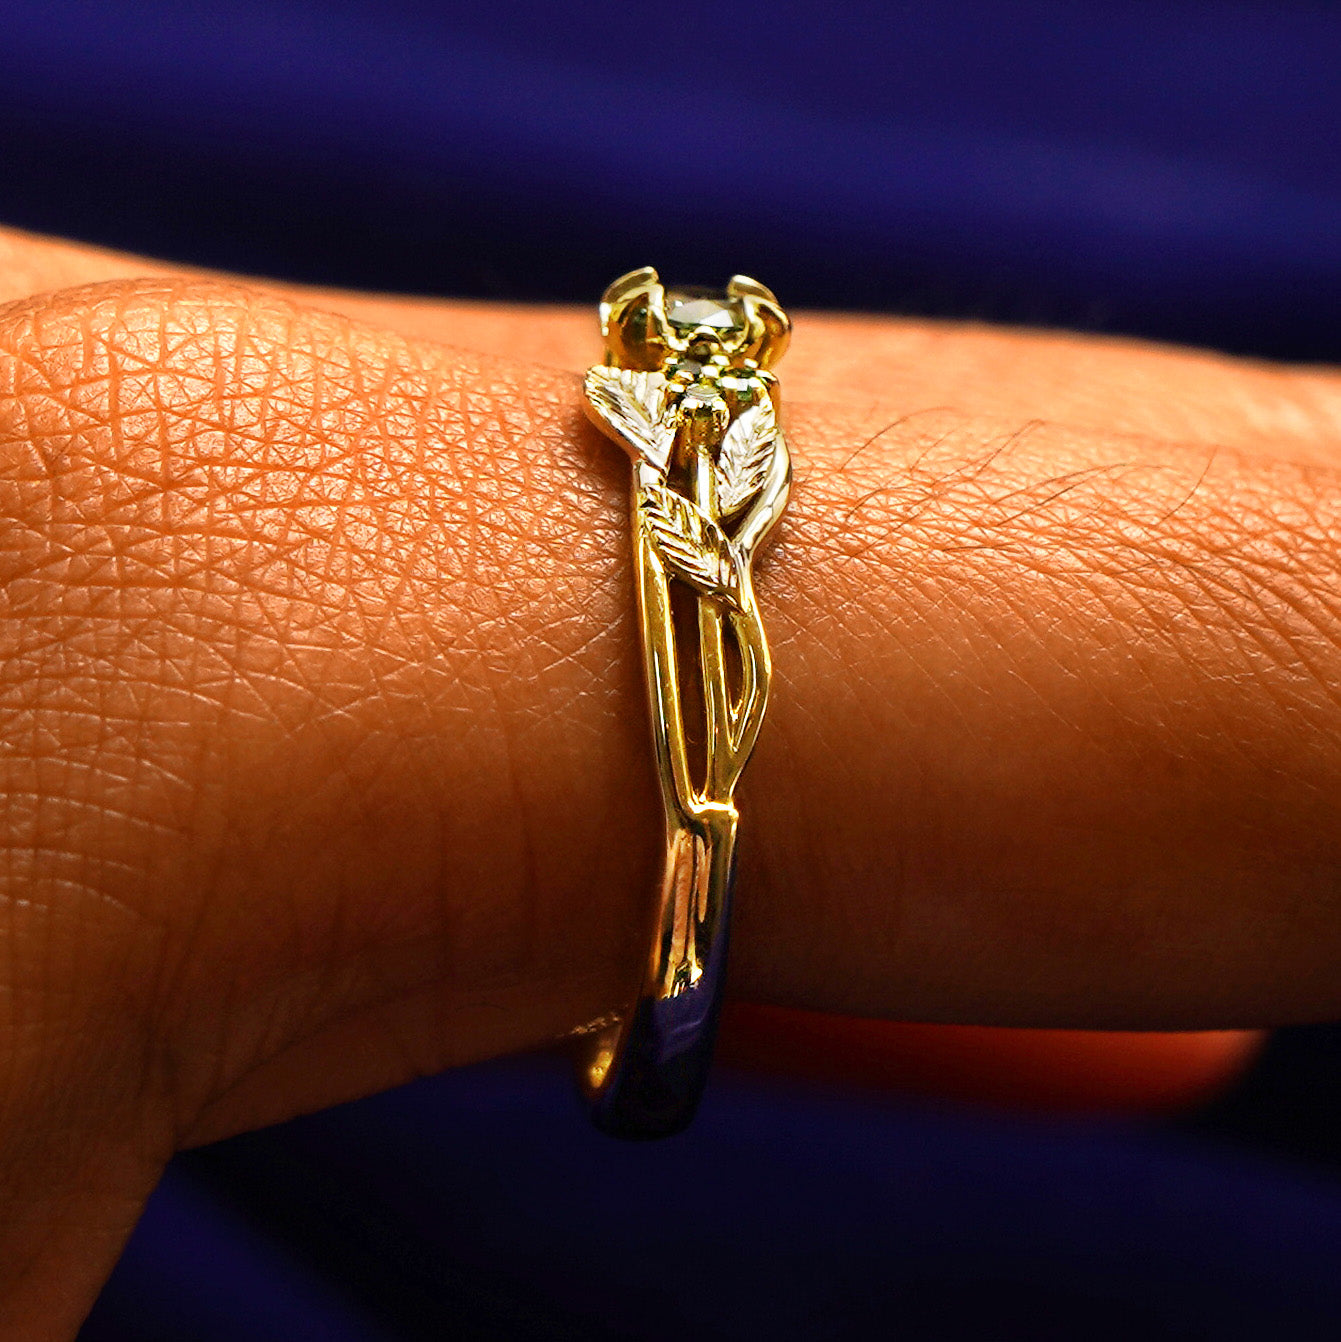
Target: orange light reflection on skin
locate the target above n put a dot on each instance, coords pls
(1047, 1071)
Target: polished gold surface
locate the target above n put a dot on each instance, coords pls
(686, 390)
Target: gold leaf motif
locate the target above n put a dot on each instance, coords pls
(745, 456)
(692, 545)
(632, 405)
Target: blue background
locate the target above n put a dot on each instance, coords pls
(1168, 170)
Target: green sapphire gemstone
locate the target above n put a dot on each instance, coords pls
(687, 310)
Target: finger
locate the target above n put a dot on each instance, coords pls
(1078, 565)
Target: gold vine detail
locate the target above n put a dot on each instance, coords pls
(711, 477)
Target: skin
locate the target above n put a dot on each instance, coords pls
(325, 756)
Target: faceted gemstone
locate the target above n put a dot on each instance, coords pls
(687, 310)
(686, 370)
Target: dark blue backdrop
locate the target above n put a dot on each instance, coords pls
(1162, 169)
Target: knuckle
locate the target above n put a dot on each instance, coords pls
(189, 433)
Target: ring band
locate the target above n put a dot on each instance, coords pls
(686, 390)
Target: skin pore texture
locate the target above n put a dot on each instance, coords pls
(325, 752)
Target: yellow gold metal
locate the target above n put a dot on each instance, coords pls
(686, 390)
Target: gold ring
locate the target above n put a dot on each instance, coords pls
(686, 389)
